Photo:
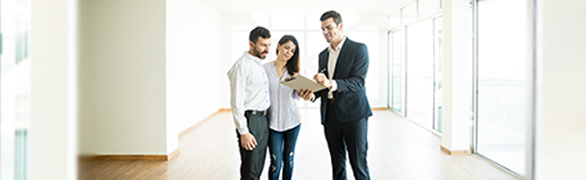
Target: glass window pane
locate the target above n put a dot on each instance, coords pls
(420, 73)
(349, 19)
(394, 20)
(390, 70)
(501, 82)
(260, 19)
(409, 13)
(428, 7)
(312, 21)
(316, 42)
(369, 36)
(398, 85)
(438, 78)
(288, 21)
(14, 89)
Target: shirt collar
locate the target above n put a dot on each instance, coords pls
(253, 58)
(339, 45)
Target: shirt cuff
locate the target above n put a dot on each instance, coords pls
(334, 86)
(243, 130)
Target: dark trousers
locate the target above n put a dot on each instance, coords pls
(350, 136)
(253, 161)
(282, 150)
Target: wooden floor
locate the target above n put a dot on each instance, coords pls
(398, 149)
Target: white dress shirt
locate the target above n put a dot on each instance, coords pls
(332, 60)
(249, 89)
(283, 113)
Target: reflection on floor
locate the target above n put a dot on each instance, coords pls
(398, 149)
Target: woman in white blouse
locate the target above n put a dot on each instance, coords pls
(283, 114)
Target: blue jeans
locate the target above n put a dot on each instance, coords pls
(282, 149)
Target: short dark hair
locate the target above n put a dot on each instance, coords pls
(293, 63)
(332, 14)
(259, 31)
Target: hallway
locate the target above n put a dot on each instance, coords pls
(398, 149)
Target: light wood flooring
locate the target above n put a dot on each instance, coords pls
(398, 149)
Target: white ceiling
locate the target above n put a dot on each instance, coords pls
(308, 6)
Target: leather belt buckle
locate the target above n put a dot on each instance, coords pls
(261, 113)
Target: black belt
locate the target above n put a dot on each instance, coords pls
(331, 101)
(255, 112)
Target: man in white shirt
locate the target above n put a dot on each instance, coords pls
(249, 102)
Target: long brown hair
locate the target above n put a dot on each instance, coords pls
(293, 63)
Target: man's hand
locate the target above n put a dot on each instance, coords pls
(320, 78)
(306, 94)
(248, 142)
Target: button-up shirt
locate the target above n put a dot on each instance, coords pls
(283, 113)
(249, 89)
(332, 60)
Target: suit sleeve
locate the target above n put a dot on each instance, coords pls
(321, 93)
(355, 81)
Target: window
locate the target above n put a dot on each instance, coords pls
(420, 70)
(428, 7)
(502, 85)
(415, 63)
(398, 72)
(409, 13)
(394, 20)
(438, 78)
(14, 89)
(288, 21)
(369, 36)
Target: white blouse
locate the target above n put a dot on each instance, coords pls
(283, 114)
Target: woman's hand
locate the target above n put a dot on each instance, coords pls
(306, 94)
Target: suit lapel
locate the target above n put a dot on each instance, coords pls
(324, 63)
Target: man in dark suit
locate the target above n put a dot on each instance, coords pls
(344, 107)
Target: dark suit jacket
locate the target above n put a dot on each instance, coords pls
(350, 100)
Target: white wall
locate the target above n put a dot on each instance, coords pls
(122, 77)
(193, 65)
(53, 90)
(457, 74)
(228, 21)
(561, 97)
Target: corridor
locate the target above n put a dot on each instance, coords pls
(398, 149)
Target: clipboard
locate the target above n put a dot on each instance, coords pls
(299, 82)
